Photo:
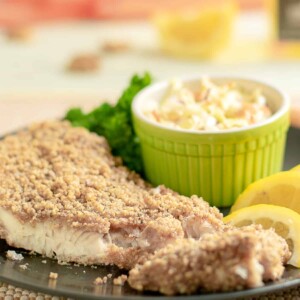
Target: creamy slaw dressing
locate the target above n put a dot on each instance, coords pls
(209, 107)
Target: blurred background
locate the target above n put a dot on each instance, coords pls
(55, 54)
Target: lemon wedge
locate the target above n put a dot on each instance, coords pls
(281, 189)
(297, 168)
(285, 221)
(197, 34)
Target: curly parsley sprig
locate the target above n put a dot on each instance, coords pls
(114, 122)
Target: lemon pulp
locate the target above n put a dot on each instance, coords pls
(297, 168)
(285, 222)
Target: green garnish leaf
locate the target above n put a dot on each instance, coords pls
(115, 123)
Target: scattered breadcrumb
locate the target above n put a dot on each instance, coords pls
(120, 280)
(24, 267)
(109, 275)
(100, 280)
(84, 63)
(13, 255)
(53, 275)
(76, 265)
(94, 267)
(44, 261)
(63, 263)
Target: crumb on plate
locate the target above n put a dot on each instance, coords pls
(13, 255)
(100, 280)
(120, 280)
(53, 275)
(23, 267)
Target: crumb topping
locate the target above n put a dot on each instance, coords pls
(231, 260)
(52, 170)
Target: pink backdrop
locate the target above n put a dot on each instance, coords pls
(17, 12)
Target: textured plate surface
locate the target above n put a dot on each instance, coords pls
(77, 281)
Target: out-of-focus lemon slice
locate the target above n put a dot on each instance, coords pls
(285, 221)
(201, 34)
(297, 168)
(281, 189)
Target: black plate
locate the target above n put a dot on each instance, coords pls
(292, 155)
(77, 281)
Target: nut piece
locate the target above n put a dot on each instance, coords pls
(115, 47)
(20, 33)
(84, 63)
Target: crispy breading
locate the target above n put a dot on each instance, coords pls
(52, 171)
(233, 260)
(275, 251)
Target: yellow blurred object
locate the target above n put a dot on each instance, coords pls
(285, 222)
(281, 189)
(297, 168)
(202, 34)
(245, 51)
(284, 28)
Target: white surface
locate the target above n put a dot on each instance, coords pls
(38, 65)
(34, 85)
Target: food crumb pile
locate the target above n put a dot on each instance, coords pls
(100, 280)
(120, 280)
(13, 255)
(24, 267)
(53, 275)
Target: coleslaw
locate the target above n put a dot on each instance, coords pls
(211, 107)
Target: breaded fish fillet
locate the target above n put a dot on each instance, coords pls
(63, 194)
(232, 260)
(274, 252)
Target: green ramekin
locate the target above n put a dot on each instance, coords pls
(217, 166)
